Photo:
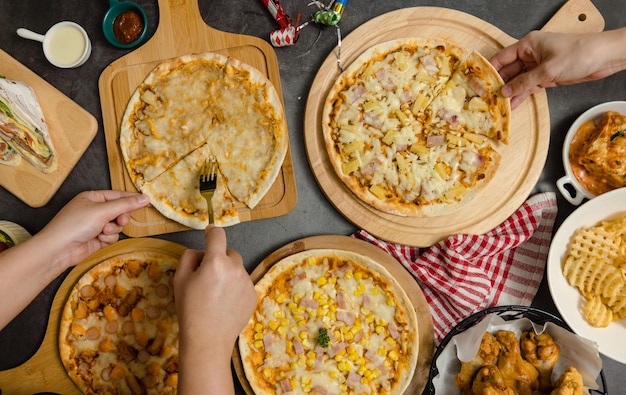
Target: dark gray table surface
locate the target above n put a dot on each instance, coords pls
(313, 213)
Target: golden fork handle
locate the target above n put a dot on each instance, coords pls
(209, 196)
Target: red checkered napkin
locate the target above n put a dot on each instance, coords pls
(466, 273)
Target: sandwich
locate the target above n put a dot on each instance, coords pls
(23, 129)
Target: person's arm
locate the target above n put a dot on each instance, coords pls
(543, 59)
(215, 299)
(87, 223)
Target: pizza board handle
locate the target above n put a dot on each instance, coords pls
(576, 16)
(43, 372)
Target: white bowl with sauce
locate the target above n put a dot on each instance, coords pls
(65, 45)
(569, 186)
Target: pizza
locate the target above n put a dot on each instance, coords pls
(412, 127)
(193, 107)
(329, 322)
(119, 330)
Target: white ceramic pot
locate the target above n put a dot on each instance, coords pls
(568, 185)
(66, 44)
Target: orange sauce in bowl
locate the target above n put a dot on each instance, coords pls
(594, 183)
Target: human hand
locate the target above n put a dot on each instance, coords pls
(214, 299)
(90, 221)
(543, 59)
(214, 294)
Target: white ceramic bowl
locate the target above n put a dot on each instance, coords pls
(567, 299)
(576, 193)
(66, 44)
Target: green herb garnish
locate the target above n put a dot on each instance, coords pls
(322, 338)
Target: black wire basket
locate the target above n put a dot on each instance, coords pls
(508, 313)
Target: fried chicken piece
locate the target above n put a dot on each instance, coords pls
(518, 373)
(489, 381)
(570, 383)
(486, 355)
(543, 353)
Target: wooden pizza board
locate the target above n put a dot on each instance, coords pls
(522, 159)
(182, 31)
(44, 371)
(401, 275)
(71, 128)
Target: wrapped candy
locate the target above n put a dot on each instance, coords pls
(277, 11)
(287, 34)
(284, 36)
(331, 16)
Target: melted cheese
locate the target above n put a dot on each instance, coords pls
(361, 316)
(402, 119)
(193, 102)
(114, 344)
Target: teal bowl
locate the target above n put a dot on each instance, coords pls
(116, 8)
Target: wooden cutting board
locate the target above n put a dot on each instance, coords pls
(182, 31)
(44, 371)
(522, 159)
(404, 278)
(71, 128)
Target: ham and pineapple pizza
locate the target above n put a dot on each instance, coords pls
(119, 330)
(412, 126)
(330, 322)
(193, 107)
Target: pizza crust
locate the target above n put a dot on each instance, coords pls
(283, 272)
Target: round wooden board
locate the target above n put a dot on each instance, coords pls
(522, 159)
(402, 276)
(44, 371)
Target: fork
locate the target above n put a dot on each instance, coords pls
(208, 183)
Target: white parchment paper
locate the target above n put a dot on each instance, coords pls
(18, 95)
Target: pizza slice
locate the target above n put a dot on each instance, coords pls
(176, 194)
(397, 79)
(250, 157)
(471, 101)
(435, 62)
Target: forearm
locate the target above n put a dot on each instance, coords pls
(25, 270)
(205, 369)
(611, 50)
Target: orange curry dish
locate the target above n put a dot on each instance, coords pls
(597, 154)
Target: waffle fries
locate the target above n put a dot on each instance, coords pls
(596, 265)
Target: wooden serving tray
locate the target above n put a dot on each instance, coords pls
(522, 159)
(44, 371)
(404, 278)
(71, 128)
(182, 31)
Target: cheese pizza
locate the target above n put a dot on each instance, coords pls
(412, 126)
(119, 330)
(193, 107)
(330, 322)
